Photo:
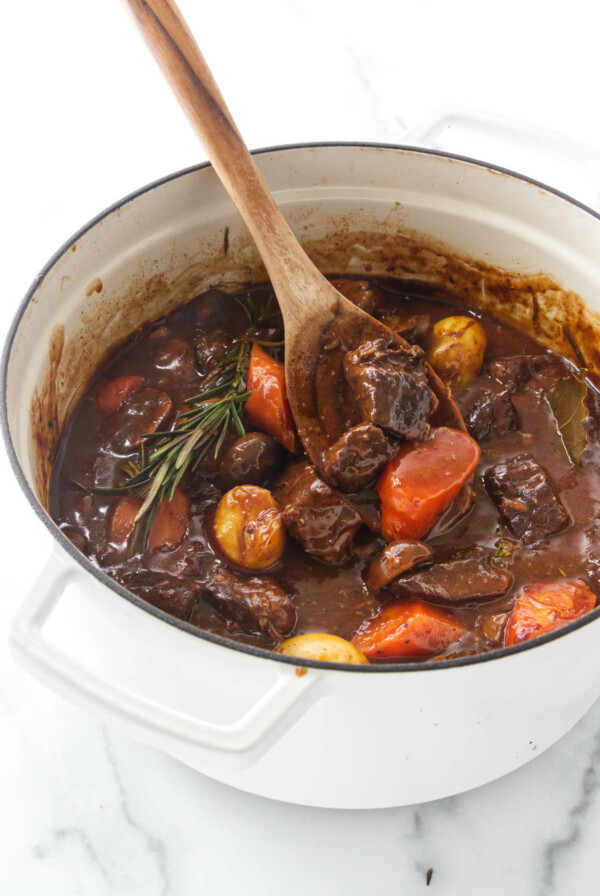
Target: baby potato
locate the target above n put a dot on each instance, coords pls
(248, 527)
(319, 646)
(456, 350)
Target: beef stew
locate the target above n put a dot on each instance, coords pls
(181, 475)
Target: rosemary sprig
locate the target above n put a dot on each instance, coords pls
(201, 427)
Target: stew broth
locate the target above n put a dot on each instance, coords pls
(328, 595)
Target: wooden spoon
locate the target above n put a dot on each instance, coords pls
(315, 314)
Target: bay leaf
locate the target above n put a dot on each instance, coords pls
(567, 400)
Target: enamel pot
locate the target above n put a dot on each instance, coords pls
(299, 731)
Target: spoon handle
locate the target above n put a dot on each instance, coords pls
(184, 66)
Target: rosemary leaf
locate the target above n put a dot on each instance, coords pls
(266, 344)
(236, 419)
(153, 492)
(147, 524)
(168, 446)
(187, 449)
(221, 438)
(176, 480)
(202, 426)
(112, 490)
(200, 456)
(245, 307)
(252, 307)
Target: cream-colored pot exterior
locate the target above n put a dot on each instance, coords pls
(301, 732)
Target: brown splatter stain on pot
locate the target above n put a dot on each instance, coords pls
(534, 302)
(44, 415)
(93, 286)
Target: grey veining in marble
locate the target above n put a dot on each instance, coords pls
(126, 819)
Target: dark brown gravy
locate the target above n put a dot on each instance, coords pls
(333, 597)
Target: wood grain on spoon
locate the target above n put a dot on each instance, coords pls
(315, 314)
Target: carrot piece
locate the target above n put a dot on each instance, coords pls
(546, 606)
(111, 395)
(268, 407)
(122, 521)
(407, 628)
(171, 521)
(422, 480)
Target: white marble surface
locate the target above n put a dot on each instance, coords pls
(83, 809)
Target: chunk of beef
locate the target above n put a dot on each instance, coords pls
(368, 506)
(210, 349)
(217, 310)
(270, 332)
(315, 514)
(512, 372)
(491, 413)
(396, 558)
(366, 545)
(174, 354)
(358, 457)
(256, 603)
(391, 388)
(413, 327)
(464, 580)
(360, 292)
(516, 371)
(526, 499)
(143, 413)
(486, 405)
(173, 594)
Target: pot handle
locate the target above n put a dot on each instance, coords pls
(561, 161)
(49, 663)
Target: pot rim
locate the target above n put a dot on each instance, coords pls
(101, 576)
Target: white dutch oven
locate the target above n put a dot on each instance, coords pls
(298, 731)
